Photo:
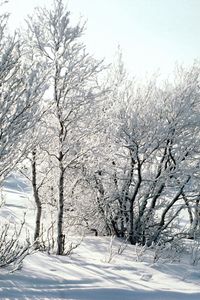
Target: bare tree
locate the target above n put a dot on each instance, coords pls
(153, 169)
(21, 88)
(75, 89)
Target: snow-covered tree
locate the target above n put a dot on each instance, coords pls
(73, 95)
(150, 170)
(21, 88)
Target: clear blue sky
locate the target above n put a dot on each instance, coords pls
(153, 34)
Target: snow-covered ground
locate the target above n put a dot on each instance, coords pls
(95, 270)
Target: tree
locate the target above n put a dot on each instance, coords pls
(21, 87)
(75, 94)
(153, 167)
(38, 169)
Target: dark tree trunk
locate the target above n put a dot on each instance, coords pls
(161, 225)
(133, 236)
(60, 236)
(36, 198)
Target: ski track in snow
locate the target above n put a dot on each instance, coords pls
(86, 274)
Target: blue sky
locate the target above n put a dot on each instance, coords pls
(153, 34)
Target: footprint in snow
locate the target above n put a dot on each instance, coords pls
(146, 277)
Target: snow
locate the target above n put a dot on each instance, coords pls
(94, 270)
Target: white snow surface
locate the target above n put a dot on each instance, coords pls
(89, 273)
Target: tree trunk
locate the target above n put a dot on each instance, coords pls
(161, 225)
(36, 198)
(60, 236)
(133, 237)
(195, 223)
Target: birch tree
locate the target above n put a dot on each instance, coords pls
(74, 93)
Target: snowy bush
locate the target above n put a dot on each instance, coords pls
(13, 248)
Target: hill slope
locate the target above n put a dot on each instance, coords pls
(94, 271)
